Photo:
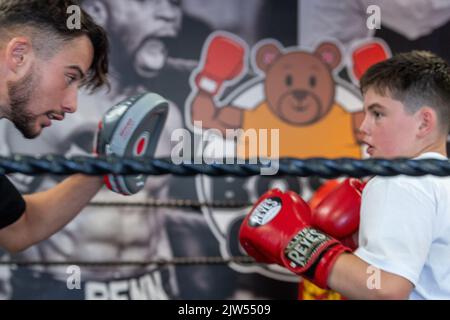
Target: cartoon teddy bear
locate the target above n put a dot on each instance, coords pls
(297, 96)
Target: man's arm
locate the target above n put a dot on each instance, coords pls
(351, 276)
(47, 212)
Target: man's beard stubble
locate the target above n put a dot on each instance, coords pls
(20, 94)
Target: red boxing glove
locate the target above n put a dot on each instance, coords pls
(279, 230)
(224, 61)
(323, 192)
(367, 55)
(337, 214)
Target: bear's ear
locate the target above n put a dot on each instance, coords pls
(330, 54)
(266, 55)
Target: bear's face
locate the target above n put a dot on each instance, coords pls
(299, 86)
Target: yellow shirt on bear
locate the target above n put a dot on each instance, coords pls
(330, 137)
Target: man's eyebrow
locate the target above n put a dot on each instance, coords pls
(78, 69)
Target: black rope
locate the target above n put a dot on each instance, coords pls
(172, 203)
(180, 261)
(325, 168)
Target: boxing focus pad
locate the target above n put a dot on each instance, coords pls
(131, 129)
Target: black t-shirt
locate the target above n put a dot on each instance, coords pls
(12, 204)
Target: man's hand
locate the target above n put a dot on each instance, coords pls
(131, 129)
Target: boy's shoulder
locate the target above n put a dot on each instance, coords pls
(425, 184)
(431, 187)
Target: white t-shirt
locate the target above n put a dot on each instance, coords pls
(405, 230)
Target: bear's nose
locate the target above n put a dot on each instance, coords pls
(300, 94)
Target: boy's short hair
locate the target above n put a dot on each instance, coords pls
(46, 23)
(417, 79)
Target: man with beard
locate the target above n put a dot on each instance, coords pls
(145, 35)
(42, 64)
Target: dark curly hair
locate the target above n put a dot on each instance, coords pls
(45, 21)
(417, 79)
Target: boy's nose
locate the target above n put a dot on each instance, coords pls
(364, 127)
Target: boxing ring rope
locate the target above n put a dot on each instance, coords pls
(321, 167)
(173, 203)
(179, 261)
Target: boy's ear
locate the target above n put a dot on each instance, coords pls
(19, 55)
(428, 121)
